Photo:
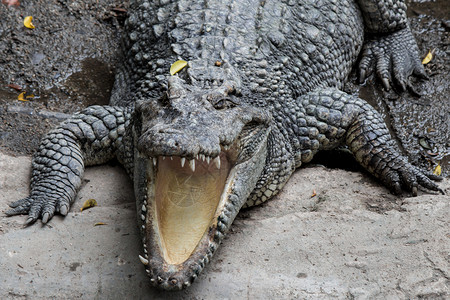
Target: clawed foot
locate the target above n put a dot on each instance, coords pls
(38, 207)
(404, 176)
(394, 57)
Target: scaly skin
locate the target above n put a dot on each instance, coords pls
(92, 136)
(259, 97)
(391, 48)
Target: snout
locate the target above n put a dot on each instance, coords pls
(169, 141)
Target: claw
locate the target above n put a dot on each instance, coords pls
(63, 210)
(29, 221)
(385, 82)
(45, 217)
(402, 86)
(362, 75)
(419, 71)
(414, 191)
(396, 188)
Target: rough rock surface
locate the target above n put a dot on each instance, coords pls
(353, 240)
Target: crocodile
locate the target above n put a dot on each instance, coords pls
(258, 94)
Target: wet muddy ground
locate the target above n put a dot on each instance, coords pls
(67, 62)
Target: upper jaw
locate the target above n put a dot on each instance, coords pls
(166, 267)
(198, 134)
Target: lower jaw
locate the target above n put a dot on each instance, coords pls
(185, 204)
(169, 264)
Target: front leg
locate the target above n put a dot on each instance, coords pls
(92, 136)
(390, 49)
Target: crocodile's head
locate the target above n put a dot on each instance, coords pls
(199, 154)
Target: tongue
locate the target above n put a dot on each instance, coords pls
(185, 204)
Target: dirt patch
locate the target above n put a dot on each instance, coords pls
(66, 62)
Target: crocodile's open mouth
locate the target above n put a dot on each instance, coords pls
(194, 168)
(186, 206)
(187, 196)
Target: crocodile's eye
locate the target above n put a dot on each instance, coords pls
(224, 103)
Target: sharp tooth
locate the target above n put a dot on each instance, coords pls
(143, 260)
(202, 157)
(208, 159)
(192, 165)
(164, 157)
(183, 160)
(171, 158)
(217, 162)
(144, 209)
(196, 156)
(154, 161)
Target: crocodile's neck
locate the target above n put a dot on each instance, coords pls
(212, 36)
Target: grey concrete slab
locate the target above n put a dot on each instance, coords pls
(353, 240)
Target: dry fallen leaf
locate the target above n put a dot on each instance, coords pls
(438, 170)
(177, 66)
(88, 203)
(428, 57)
(27, 22)
(11, 2)
(15, 86)
(21, 97)
(100, 223)
(119, 10)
